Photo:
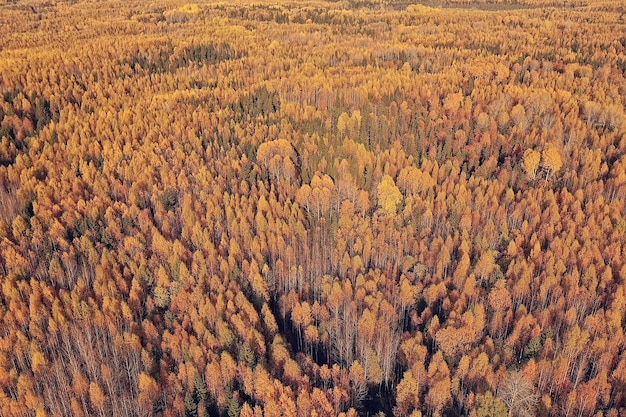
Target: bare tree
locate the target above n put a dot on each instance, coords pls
(519, 395)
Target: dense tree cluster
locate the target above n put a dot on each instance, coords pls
(312, 208)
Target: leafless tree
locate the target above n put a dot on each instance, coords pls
(519, 395)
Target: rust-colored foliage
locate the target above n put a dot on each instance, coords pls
(297, 208)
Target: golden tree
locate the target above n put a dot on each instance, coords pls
(530, 162)
(389, 196)
(551, 160)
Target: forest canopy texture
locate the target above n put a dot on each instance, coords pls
(311, 208)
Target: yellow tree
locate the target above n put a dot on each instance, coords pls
(343, 122)
(489, 406)
(389, 195)
(551, 159)
(407, 395)
(439, 394)
(97, 397)
(530, 163)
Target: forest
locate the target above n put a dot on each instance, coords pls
(313, 208)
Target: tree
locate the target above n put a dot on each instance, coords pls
(530, 162)
(373, 371)
(439, 395)
(389, 195)
(148, 392)
(499, 297)
(343, 122)
(489, 406)
(485, 265)
(519, 395)
(407, 395)
(97, 398)
(357, 382)
(551, 160)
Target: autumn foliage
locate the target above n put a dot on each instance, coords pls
(312, 208)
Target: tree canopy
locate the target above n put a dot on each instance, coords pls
(312, 208)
